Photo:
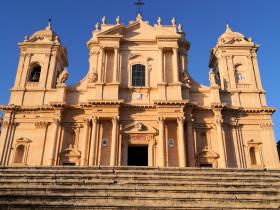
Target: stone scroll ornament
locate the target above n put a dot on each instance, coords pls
(63, 76)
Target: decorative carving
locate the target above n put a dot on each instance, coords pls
(87, 121)
(139, 126)
(63, 76)
(180, 119)
(5, 123)
(94, 119)
(92, 77)
(267, 126)
(41, 124)
(56, 121)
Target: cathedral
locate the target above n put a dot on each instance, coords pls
(138, 105)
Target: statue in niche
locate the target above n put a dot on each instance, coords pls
(63, 76)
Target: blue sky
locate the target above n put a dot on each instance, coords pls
(203, 21)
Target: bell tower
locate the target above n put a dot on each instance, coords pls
(42, 59)
(234, 62)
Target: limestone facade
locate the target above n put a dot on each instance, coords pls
(138, 93)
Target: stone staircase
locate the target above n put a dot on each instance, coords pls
(138, 188)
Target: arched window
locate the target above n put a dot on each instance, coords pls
(240, 73)
(35, 72)
(253, 158)
(19, 154)
(138, 75)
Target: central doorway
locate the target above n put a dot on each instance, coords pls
(137, 155)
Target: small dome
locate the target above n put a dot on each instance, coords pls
(47, 33)
(229, 35)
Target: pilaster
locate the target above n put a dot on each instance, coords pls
(114, 141)
(161, 157)
(181, 142)
(84, 155)
(93, 143)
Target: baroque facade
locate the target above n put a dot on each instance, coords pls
(138, 105)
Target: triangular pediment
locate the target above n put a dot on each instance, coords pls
(116, 30)
(139, 30)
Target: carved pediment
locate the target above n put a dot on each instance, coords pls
(139, 127)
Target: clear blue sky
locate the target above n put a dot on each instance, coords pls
(203, 21)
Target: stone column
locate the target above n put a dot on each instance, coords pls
(100, 64)
(161, 73)
(220, 139)
(115, 71)
(175, 65)
(181, 142)
(52, 144)
(85, 142)
(161, 144)
(114, 141)
(92, 156)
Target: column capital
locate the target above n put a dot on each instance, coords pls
(57, 121)
(87, 120)
(95, 119)
(181, 119)
(115, 119)
(41, 124)
(161, 119)
(175, 48)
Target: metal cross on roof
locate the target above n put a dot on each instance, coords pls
(139, 5)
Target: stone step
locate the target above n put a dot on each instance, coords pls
(138, 188)
(151, 182)
(81, 177)
(140, 202)
(155, 171)
(189, 190)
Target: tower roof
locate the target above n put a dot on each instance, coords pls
(46, 33)
(229, 35)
